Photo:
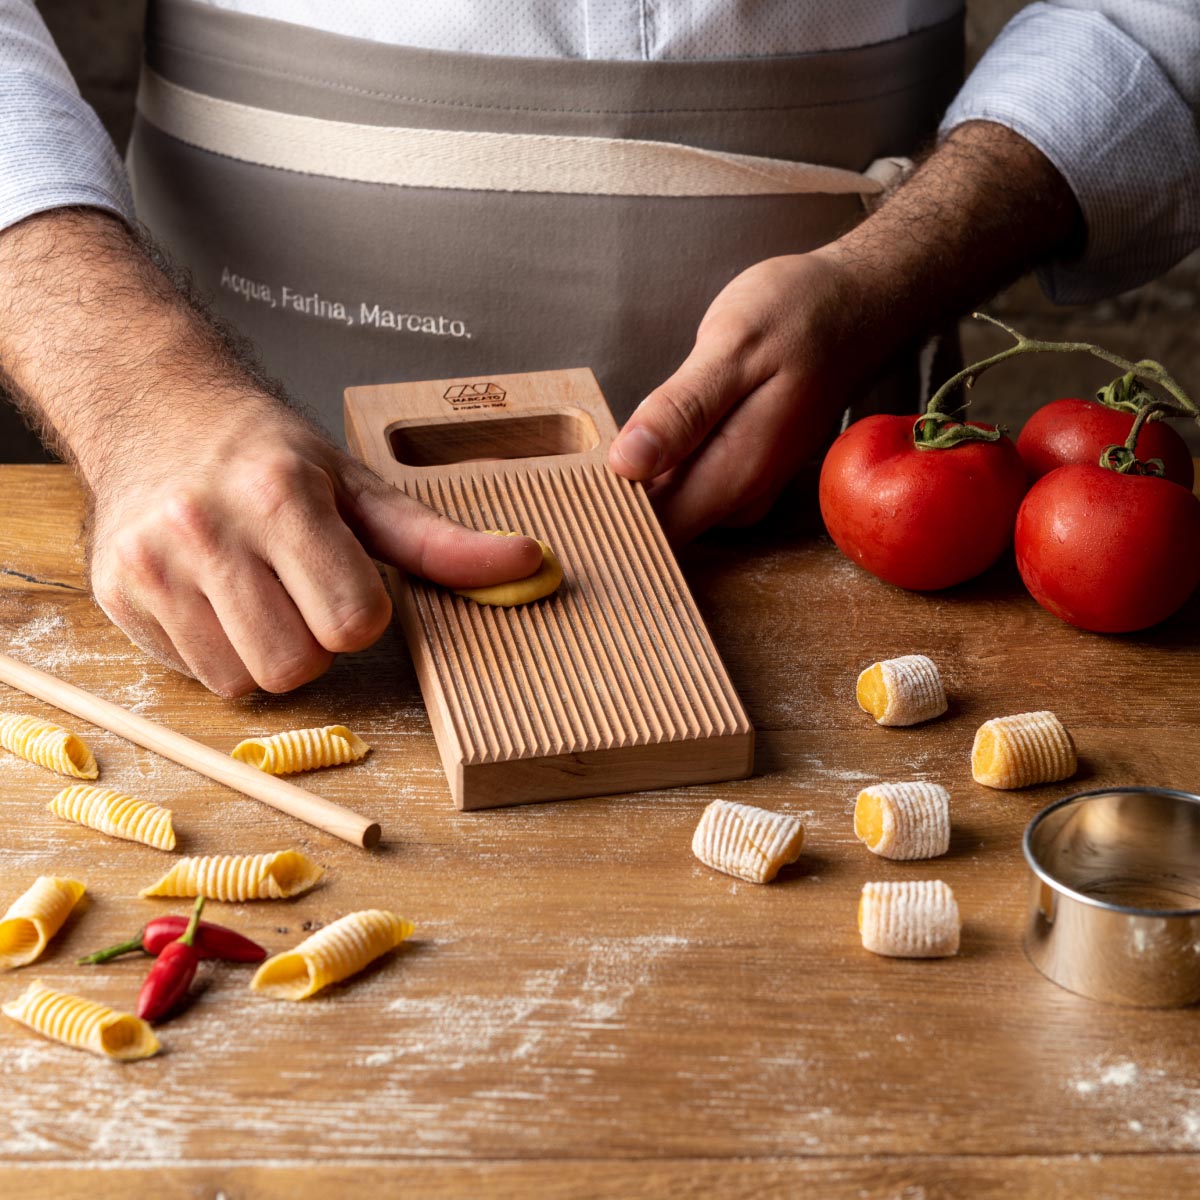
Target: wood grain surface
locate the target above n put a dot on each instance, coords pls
(585, 1010)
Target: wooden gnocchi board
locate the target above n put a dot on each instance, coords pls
(610, 685)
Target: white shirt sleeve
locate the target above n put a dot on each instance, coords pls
(53, 149)
(1108, 90)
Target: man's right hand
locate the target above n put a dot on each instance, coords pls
(228, 538)
(246, 561)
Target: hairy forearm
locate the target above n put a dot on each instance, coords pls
(789, 342)
(102, 350)
(985, 207)
(228, 537)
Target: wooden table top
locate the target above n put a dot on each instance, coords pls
(585, 1009)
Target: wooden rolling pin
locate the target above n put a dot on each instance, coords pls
(296, 802)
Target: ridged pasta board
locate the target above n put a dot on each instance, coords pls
(612, 684)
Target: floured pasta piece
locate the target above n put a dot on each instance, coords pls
(748, 842)
(35, 917)
(902, 691)
(47, 745)
(331, 954)
(301, 750)
(909, 919)
(1019, 751)
(904, 820)
(239, 877)
(81, 1023)
(521, 591)
(116, 814)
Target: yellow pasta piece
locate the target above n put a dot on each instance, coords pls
(81, 1023)
(47, 745)
(1019, 751)
(302, 750)
(521, 591)
(748, 842)
(115, 814)
(909, 919)
(904, 820)
(902, 691)
(239, 877)
(35, 917)
(331, 954)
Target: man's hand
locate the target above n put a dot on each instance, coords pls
(773, 367)
(228, 538)
(790, 342)
(247, 561)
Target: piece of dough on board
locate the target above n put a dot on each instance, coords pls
(520, 591)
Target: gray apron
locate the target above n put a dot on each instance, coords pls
(346, 281)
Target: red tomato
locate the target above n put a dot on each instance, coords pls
(921, 519)
(1076, 431)
(1108, 552)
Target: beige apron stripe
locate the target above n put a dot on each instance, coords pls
(493, 162)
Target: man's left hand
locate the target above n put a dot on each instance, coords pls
(772, 368)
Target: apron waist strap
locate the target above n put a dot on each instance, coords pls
(469, 160)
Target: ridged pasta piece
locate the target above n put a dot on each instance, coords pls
(1019, 751)
(47, 745)
(84, 1024)
(35, 917)
(909, 919)
(902, 691)
(239, 877)
(541, 583)
(301, 750)
(904, 820)
(331, 954)
(748, 842)
(116, 814)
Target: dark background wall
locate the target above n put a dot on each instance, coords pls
(100, 39)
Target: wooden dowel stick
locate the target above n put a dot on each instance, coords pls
(296, 802)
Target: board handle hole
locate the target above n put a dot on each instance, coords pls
(528, 435)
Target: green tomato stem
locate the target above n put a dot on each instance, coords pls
(1126, 394)
(1145, 413)
(940, 431)
(1147, 370)
(1124, 459)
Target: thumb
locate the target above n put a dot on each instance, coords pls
(402, 531)
(680, 413)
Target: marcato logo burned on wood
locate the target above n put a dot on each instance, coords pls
(475, 395)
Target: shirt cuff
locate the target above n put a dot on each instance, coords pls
(1100, 108)
(54, 152)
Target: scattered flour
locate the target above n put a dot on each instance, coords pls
(114, 1112)
(555, 1009)
(50, 642)
(1168, 1111)
(914, 769)
(44, 641)
(1120, 1075)
(1114, 1075)
(32, 633)
(841, 774)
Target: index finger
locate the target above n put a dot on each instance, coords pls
(408, 534)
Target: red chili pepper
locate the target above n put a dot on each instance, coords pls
(172, 974)
(212, 941)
